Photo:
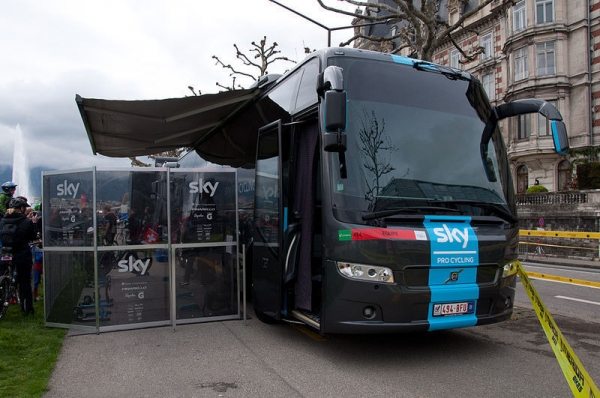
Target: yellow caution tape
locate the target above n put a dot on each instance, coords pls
(558, 278)
(578, 379)
(560, 234)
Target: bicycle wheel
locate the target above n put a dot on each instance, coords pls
(4, 295)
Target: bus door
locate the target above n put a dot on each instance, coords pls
(267, 271)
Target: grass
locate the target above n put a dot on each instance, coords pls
(28, 352)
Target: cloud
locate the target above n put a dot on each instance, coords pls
(118, 49)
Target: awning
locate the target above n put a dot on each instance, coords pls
(119, 128)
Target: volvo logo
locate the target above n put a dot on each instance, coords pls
(453, 277)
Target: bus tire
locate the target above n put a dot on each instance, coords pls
(265, 318)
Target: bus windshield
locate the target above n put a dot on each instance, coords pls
(414, 141)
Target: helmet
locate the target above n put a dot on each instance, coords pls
(16, 203)
(8, 185)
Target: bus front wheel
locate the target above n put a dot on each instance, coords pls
(265, 318)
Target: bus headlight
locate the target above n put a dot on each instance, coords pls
(363, 272)
(510, 268)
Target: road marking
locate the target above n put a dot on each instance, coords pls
(579, 300)
(564, 279)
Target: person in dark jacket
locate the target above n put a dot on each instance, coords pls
(16, 231)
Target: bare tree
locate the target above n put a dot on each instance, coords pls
(377, 149)
(420, 28)
(255, 64)
(172, 153)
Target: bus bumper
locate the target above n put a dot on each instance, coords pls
(365, 307)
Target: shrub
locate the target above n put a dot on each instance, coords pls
(588, 175)
(537, 189)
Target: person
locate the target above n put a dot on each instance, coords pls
(8, 190)
(16, 231)
(110, 226)
(38, 269)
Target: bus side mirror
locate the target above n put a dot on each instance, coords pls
(559, 136)
(335, 111)
(330, 87)
(549, 111)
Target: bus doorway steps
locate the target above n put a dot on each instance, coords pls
(312, 320)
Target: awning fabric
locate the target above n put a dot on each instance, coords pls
(119, 128)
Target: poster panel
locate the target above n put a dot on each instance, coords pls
(131, 207)
(69, 288)
(206, 282)
(67, 209)
(203, 206)
(133, 286)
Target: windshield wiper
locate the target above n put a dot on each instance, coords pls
(413, 209)
(444, 70)
(500, 210)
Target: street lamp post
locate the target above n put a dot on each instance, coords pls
(328, 29)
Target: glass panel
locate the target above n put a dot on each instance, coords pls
(69, 288)
(133, 286)
(206, 282)
(67, 209)
(132, 207)
(203, 207)
(267, 190)
(307, 92)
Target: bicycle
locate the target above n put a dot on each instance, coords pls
(8, 283)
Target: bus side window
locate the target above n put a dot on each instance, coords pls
(307, 92)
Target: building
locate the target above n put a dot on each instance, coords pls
(547, 49)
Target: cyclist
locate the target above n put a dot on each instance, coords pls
(8, 190)
(16, 231)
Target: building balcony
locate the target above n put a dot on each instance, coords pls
(534, 145)
(518, 39)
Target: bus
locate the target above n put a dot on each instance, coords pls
(383, 198)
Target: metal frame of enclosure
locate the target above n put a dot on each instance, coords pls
(143, 247)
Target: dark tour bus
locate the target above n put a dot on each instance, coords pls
(383, 198)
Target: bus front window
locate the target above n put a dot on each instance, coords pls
(414, 141)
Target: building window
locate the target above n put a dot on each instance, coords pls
(486, 44)
(545, 59)
(523, 127)
(519, 16)
(454, 58)
(543, 124)
(564, 175)
(487, 81)
(522, 179)
(544, 11)
(520, 64)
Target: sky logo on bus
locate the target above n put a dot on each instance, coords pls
(67, 189)
(203, 187)
(453, 242)
(448, 235)
(135, 265)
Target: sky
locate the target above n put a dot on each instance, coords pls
(130, 50)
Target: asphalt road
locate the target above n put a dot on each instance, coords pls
(570, 300)
(231, 359)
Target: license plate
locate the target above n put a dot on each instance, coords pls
(453, 309)
(6, 258)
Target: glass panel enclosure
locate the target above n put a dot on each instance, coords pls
(108, 237)
(204, 241)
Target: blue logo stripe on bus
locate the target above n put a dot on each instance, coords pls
(285, 219)
(453, 272)
(399, 59)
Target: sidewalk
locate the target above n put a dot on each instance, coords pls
(208, 359)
